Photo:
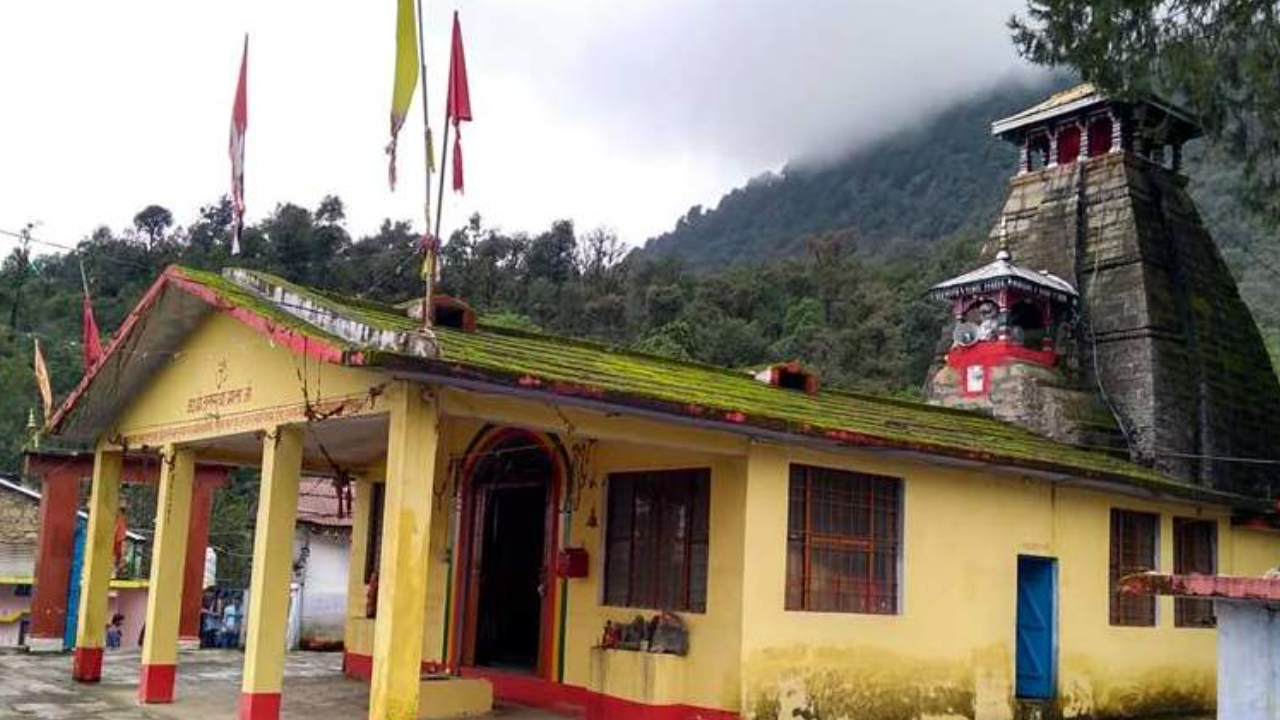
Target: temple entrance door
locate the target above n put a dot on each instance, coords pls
(510, 518)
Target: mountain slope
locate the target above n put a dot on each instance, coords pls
(920, 185)
(945, 179)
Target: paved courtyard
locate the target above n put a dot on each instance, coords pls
(39, 687)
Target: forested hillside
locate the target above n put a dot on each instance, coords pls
(942, 180)
(937, 176)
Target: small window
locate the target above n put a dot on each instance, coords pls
(1037, 152)
(22, 590)
(1134, 547)
(843, 541)
(1195, 550)
(1068, 144)
(1099, 136)
(656, 540)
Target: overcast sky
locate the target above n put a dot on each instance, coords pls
(617, 113)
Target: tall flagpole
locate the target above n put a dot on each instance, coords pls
(429, 240)
(444, 162)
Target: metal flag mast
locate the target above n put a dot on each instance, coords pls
(429, 241)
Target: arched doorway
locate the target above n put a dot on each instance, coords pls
(508, 544)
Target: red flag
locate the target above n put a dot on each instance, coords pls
(459, 100)
(90, 340)
(117, 542)
(239, 123)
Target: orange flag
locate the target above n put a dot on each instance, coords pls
(42, 382)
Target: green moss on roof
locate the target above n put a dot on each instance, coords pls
(237, 296)
(540, 361)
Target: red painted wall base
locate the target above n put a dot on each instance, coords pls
(357, 667)
(259, 706)
(156, 684)
(562, 699)
(360, 667)
(87, 665)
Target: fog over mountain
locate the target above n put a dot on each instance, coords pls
(620, 113)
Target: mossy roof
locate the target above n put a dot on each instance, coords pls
(731, 399)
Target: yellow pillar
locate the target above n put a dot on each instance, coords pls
(356, 660)
(764, 569)
(168, 556)
(99, 566)
(272, 570)
(402, 574)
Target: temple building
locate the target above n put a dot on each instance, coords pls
(1160, 339)
(616, 535)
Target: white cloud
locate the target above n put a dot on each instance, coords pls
(620, 113)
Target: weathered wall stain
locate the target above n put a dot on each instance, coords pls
(1092, 694)
(806, 683)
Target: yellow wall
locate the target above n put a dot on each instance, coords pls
(950, 650)
(229, 379)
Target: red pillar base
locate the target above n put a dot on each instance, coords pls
(259, 706)
(87, 665)
(356, 666)
(156, 685)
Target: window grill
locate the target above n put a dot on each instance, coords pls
(1195, 550)
(1134, 549)
(657, 539)
(843, 541)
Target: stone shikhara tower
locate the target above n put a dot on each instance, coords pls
(1149, 347)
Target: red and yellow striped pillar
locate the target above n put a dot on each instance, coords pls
(272, 569)
(99, 566)
(168, 556)
(402, 573)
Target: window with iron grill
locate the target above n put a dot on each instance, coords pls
(657, 540)
(1134, 549)
(843, 541)
(1195, 550)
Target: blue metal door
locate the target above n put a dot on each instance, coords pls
(73, 586)
(1037, 627)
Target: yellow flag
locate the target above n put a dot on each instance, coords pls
(406, 77)
(42, 382)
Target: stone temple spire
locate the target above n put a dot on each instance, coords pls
(1158, 356)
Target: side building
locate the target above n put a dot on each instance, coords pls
(19, 535)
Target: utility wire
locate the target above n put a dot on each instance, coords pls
(74, 250)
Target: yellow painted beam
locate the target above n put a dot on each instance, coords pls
(99, 565)
(272, 570)
(168, 557)
(402, 575)
(543, 416)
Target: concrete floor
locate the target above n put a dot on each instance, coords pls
(39, 687)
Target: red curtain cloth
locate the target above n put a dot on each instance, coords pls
(1068, 144)
(1099, 137)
